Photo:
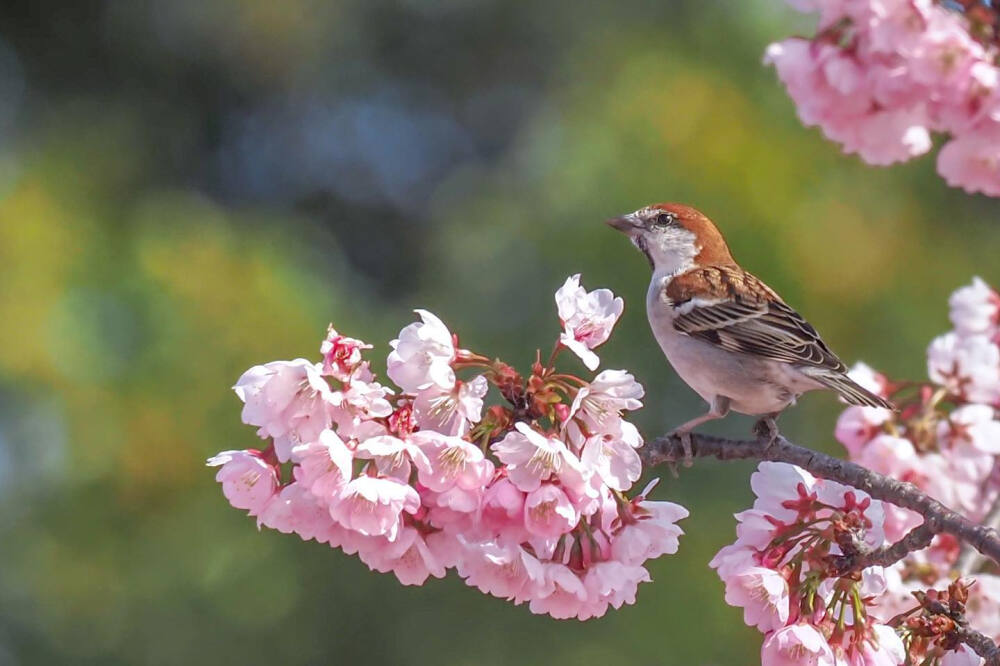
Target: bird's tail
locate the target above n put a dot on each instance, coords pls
(852, 392)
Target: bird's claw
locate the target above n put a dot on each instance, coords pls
(685, 437)
(766, 430)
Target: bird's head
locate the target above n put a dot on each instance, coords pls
(674, 237)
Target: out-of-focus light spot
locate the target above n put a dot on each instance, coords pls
(366, 150)
(32, 446)
(93, 335)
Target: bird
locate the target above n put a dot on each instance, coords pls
(727, 334)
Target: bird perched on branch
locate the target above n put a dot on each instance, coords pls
(725, 332)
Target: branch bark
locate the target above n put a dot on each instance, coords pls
(937, 517)
(968, 558)
(861, 556)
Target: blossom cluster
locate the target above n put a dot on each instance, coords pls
(790, 567)
(528, 499)
(783, 572)
(880, 76)
(945, 440)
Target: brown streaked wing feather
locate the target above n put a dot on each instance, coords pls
(751, 318)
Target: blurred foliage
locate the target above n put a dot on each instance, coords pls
(191, 187)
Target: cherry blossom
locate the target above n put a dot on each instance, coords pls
(422, 355)
(248, 481)
(880, 77)
(341, 354)
(288, 401)
(975, 309)
(796, 645)
(527, 499)
(374, 506)
(587, 318)
(532, 457)
(548, 512)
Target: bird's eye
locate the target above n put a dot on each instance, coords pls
(665, 219)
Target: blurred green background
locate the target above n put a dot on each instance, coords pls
(190, 187)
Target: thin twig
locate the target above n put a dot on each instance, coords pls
(983, 538)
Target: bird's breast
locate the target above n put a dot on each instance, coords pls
(754, 385)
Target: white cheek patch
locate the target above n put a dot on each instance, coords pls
(675, 250)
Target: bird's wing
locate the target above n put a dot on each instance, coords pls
(730, 308)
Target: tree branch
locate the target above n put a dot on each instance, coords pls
(981, 644)
(937, 516)
(861, 556)
(968, 557)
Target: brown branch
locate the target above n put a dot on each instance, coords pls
(860, 556)
(960, 631)
(936, 515)
(980, 643)
(968, 558)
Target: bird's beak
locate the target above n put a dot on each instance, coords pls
(624, 224)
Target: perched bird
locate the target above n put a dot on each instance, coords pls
(725, 332)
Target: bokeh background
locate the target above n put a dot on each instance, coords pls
(190, 187)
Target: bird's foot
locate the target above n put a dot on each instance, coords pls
(685, 437)
(766, 430)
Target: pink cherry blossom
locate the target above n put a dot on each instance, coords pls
(561, 594)
(614, 461)
(796, 645)
(248, 481)
(449, 462)
(885, 648)
(392, 455)
(961, 656)
(880, 77)
(968, 366)
(502, 514)
(777, 483)
(505, 571)
(401, 479)
(971, 160)
(653, 533)
(296, 510)
(548, 512)
(858, 425)
(755, 528)
(362, 397)
(614, 583)
(975, 309)
(325, 466)
(287, 400)
(598, 406)
(422, 355)
(451, 411)
(587, 318)
(973, 426)
(374, 507)
(341, 354)
(762, 594)
(408, 556)
(531, 458)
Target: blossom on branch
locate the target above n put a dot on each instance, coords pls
(528, 499)
(880, 77)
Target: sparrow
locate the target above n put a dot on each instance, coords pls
(728, 335)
